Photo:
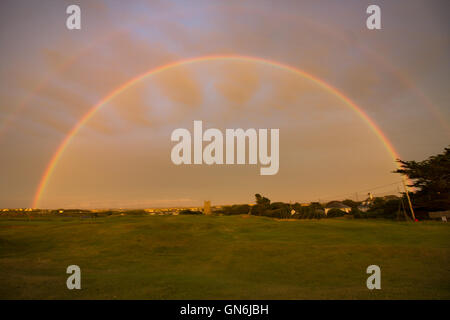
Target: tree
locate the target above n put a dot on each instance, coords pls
(316, 206)
(190, 212)
(333, 213)
(431, 179)
(263, 201)
(236, 209)
(262, 205)
(352, 204)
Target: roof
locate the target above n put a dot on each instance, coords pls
(438, 214)
(337, 205)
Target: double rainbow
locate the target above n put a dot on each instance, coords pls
(62, 147)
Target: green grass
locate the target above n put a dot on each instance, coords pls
(220, 257)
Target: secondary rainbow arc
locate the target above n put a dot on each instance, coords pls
(62, 147)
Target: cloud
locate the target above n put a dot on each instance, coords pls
(180, 86)
(239, 82)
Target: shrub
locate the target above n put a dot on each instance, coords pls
(316, 205)
(352, 204)
(319, 214)
(190, 212)
(258, 210)
(136, 212)
(236, 209)
(384, 209)
(334, 213)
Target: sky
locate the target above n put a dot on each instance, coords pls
(51, 77)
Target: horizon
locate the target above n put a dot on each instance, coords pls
(201, 205)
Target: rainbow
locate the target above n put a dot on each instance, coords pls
(62, 147)
(378, 58)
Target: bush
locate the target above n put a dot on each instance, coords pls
(258, 210)
(316, 205)
(384, 209)
(278, 210)
(190, 212)
(334, 213)
(309, 212)
(318, 214)
(357, 214)
(276, 213)
(136, 212)
(235, 209)
(352, 204)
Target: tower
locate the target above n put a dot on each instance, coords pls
(207, 207)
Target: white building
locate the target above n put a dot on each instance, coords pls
(337, 205)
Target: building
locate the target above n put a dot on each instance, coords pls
(443, 215)
(337, 205)
(363, 207)
(207, 207)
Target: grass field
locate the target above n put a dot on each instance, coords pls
(222, 257)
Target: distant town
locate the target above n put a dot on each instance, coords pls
(345, 207)
(389, 207)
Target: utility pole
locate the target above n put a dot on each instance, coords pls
(402, 206)
(409, 200)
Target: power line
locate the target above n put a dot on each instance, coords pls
(360, 191)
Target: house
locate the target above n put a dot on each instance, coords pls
(337, 205)
(363, 207)
(443, 215)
